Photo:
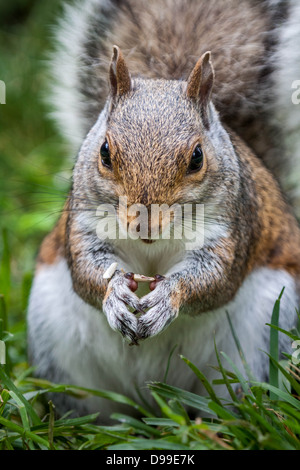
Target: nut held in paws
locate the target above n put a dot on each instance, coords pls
(141, 278)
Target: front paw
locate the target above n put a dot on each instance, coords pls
(118, 297)
(163, 304)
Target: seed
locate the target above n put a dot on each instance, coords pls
(110, 271)
(141, 278)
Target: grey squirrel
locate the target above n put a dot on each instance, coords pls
(164, 121)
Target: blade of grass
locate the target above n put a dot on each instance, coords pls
(70, 389)
(203, 380)
(228, 386)
(288, 409)
(239, 375)
(178, 408)
(286, 397)
(222, 382)
(289, 377)
(234, 424)
(167, 411)
(222, 413)
(240, 349)
(287, 333)
(113, 396)
(51, 425)
(24, 417)
(188, 398)
(229, 373)
(23, 433)
(69, 422)
(11, 387)
(143, 400)
(3, 400)
(298, 315)
(26, 286)
(274, 347)
(161, 422)
(137, 425)
(168, 363)
(278, 423)
(257, 418)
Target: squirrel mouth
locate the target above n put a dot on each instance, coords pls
(148, 242)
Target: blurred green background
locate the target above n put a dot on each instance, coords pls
(34, 167)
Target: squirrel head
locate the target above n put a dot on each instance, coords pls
(158, 141)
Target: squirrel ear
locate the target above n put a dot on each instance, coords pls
(200, 84)
(120, 80)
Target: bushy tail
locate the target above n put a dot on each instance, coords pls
(78, 67)
(286, 104)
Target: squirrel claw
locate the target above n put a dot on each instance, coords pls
(138, 311)
(158, 278)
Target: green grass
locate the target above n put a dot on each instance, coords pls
(34, 181)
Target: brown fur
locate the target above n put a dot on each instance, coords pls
(278, 244)
(53, 246)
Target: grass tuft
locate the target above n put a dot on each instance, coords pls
(263, 417)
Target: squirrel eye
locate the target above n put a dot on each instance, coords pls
(197, 160)
(105, 155)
